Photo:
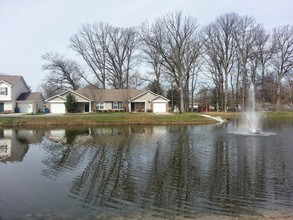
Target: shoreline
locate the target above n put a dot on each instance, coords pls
(96, 119)
(109, 119)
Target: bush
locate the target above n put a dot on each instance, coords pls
(71, 103)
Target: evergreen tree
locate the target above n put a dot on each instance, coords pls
(155, 87)
(71, 103)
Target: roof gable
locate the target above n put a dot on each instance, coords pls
(149, 96)
(159, 98)
(63, 96)
(4, 82)
(55, 98)
(12, 79)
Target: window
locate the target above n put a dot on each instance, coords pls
(3, 91)
(117, 105)
(100, 105)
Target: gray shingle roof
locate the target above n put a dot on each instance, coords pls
(28, 96)
(11, 79)
(109, 94)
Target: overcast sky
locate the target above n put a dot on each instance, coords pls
(30, 28)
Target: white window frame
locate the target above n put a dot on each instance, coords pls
(115, 105)
(100, 105)
(3, 91)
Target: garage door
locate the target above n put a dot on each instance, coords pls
(159, 107)
(57, 108)
(25, 107)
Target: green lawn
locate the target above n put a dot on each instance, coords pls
(91, 119)
(102, 119)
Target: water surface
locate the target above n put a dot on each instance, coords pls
(146, 171)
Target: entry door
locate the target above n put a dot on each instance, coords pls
(86, 107)
(1, 107)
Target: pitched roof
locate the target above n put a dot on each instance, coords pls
(11, 79)
(156, 96)
(105, 95)
(28, 96)
(62, 95)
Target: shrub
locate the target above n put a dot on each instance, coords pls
(71, 103)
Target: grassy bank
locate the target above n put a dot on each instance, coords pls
(124, 118)
(102, 119)
(279, 115)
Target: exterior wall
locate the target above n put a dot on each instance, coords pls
(39, 105)
(145, 98)
(9, 106)
(17, 89)
(57, 99)
(107, 105)
(7, 97)
(78, 98)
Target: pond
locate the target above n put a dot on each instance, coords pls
(146, 172)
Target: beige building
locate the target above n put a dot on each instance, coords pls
(91, 100)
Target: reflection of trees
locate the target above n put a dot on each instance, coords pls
(231, 175)
(60, 158)
(106, 174)
(110, 173)
(187, 168)
(241, 175)
(71, 134)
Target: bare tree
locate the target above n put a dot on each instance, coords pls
(283, 55)
(49, 89)
(245, 34)
(64, 73)
(90, 43)
(172, 37)
(109, 52)
(153, 59)
(263, 53)
(220, 52)
(121, 56)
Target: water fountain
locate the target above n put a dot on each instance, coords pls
(251, 116)
(250, 122)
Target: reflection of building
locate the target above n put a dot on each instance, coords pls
(14, 143)
(102, 135)
(69, 136)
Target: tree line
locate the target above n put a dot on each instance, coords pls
(219, 60)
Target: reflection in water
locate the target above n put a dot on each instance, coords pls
(161, 171)
(14, 143)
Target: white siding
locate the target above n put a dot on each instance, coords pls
(39, 105)
(8, 96)
(108, 105)
(57, 108)
(17, 89)
(8, 106)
